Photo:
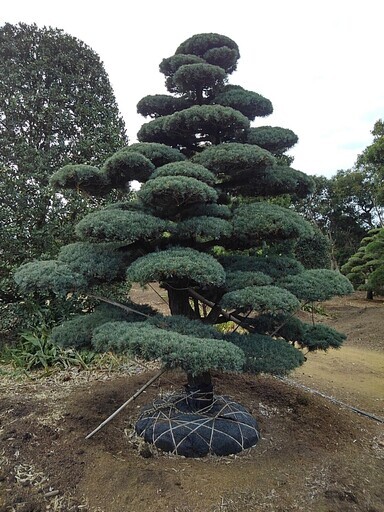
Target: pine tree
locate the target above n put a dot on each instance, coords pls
(365, 269)
(204, 227)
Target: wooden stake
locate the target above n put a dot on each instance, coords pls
(117, 304)
(133, 397)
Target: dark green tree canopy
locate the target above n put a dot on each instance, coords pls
(185, 169)
(198, 80)
(126, 166)
(332, 209)
(49, 276)
(234, 159)
(249, 103)
(96, 262)
(273, 139)
(159, 105)
(350, 204)
(365, 268)
(170, 65)
(317, 285)
(261, 222)
(119, 226)
(214, 49)
(267, 298)
(56, 102)
(175, 265)
(57, 110)
(206, 226)
(169, 195)
(80, 177)
(158, 154)
(371, 164)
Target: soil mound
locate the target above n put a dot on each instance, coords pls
(312, 455)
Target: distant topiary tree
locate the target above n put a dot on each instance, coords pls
(365, 269)
(203, 227)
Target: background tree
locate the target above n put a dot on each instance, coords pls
(365, 269)
(348, 205)
(203, 226)
(56, 106)
(334, 207)
(371, 164)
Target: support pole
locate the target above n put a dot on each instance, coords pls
(133, 397)
(118, 305)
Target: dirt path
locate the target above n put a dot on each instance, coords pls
(354, 373)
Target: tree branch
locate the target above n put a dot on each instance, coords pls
(219, 309)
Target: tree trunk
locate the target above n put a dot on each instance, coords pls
(199, 387)
(369, 295)
(334, 264)
(199, 391)
(178, 300)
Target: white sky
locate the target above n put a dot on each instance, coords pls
(320, 62)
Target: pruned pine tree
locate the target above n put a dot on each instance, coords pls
(371, 165)
(365, 269)
(203, 227)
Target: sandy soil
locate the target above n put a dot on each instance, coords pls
(354, 373)
(314, 455)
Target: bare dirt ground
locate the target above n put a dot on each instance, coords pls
(314, 455)
(355, 373)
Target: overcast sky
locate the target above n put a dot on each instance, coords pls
(319, 62)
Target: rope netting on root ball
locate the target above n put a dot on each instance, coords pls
(174, 425)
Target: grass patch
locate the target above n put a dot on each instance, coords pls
(36, 355)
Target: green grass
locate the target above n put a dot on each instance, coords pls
(36, 352)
